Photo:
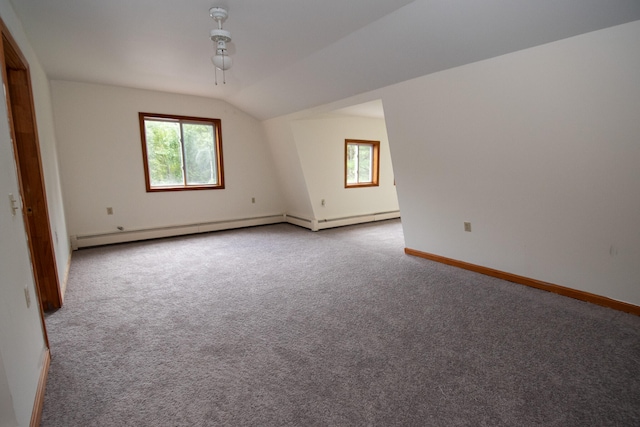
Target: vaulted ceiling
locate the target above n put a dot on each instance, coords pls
(293, 54)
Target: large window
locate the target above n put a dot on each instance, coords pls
(181, 153)
(362, 159)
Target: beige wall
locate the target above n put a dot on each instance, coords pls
(320, 145)
(291, 180)
(310, 149)
(539, 150)
(101, 161)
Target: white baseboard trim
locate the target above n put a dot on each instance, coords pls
(38, 401)
(100, 239)
(301, 221)
(88, 240)
(359, 219)
(316, 225)
(65, 277)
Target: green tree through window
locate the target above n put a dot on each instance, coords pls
(361, 163)
(181, 153)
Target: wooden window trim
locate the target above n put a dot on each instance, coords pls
(217, 125)
(375, 164)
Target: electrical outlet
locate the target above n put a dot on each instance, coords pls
(322, 202)
(467, 226)
(253, 200)
(27, 296)
(109, 211)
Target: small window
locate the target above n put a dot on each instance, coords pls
(181, 153)
(362, 160)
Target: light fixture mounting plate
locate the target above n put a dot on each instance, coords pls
(218, 14)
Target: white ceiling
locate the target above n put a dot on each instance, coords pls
(372, 109)
(291, 55)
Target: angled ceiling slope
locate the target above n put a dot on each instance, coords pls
(292, 55)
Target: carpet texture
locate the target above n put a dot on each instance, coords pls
(280, 326)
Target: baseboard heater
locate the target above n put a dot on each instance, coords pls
(88, 240)
(99, 239)
(320, 224)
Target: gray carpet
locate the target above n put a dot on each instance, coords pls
(280, 326)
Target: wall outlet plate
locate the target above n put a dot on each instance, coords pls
(467, 226)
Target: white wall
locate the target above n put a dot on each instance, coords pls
(101, 161)
(50, 168)
(47, 140)
(540, 150)
(291, 181)
(309, 150)
(21, 339)
(22, 345)
(7, 414)
(320, 145)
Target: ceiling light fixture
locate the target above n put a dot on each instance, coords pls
(220, 37)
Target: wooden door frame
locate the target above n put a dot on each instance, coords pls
(26, 149)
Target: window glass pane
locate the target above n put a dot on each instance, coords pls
(200, 154)
(181, 153)
(361, 163)
(164, 154)
(365, 157)
(352, 163)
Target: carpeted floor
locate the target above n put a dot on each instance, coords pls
(280, 326)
